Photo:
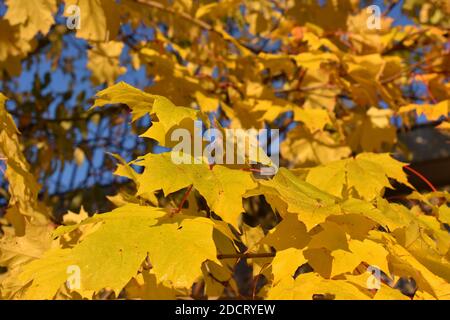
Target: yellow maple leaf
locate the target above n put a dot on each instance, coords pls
(367, 174)
(23, 186)
(169, 117)
(314, 119)
(433, 112)
(150, 231)
(290, 225)
(145, 286)
(12, 47)
(99, 19)
(207, 104)
(104, 63)
(311, 286)
(304, 148)
(32, 16)
(222, 187)
(285, 263)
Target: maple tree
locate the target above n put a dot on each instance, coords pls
(337, 90)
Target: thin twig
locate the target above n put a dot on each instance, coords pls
(410, 69)
(186, 195)
(390, 7)
(202, 24)
(245, 255)
(309, 88)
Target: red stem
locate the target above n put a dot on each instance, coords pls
(186, 195)
(418, 174)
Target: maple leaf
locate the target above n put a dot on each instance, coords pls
(100, 19)
(384, 293)
(207, 104)
(13, 46)
(405, 264)
(145, 286)
(288, 193)
(292, 226)
(141, 103)
(104, 62)
(433, 112)
(15, 251)
(222, 187)
(169, 116)
(32, 16)
(310, 286)
(371, 131)
(444, 214)
(286, 263)
(23, 186)
(314, 119)
(127, 235)
(367, 175)
(304, 148)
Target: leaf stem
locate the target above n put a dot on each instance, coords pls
(245, 255)
(186, 195)
(418, 174)
(200, 23)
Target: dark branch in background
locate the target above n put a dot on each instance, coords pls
(401, 44)
(390, 7)
(245, 255)
(411, 68)
(199, 23)
(85, 116)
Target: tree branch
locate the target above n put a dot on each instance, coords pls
(201, 24)
(245, 255)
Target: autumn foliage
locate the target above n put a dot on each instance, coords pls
(337, 90)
